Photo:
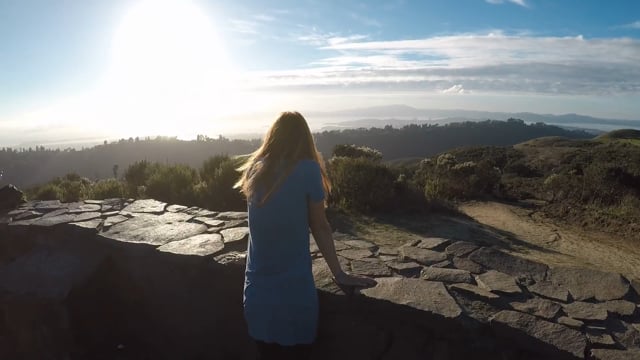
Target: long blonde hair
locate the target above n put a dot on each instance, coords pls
(288, 141)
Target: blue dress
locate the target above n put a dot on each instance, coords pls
(280, 297)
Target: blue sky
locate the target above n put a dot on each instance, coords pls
(67, 68)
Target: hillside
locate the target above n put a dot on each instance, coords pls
(594, 184)
(27, 167)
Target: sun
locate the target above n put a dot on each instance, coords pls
(168, 65)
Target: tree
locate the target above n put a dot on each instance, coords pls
(115, 171)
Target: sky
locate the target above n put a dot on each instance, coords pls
(119, 68)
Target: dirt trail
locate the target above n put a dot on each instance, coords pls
(529, 234)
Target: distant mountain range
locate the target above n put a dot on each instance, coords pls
(400, 115)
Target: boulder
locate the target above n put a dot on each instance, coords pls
(370, 267)
(584, 284)
(538, 335)
(467, 264)
(461, 248)
(153, 229)
(446, 275)
(406, 269)
(235, 234)
(354, 254)
(610, 354)
(549, 290)
(586, 311)
(539, 307)
(361, 244)
(428, 296)
(198, 245)
(509, 264)
(148, 206)
(10, 197)
(498, 282)
(570, 322)
(423, 256)
(620, 307)
(433, 243)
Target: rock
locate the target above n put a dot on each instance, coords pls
(539, 336)
(56, 212)
(446, 275)
(54, 220)
(387, 258)
(609, 354)
(635, 284)
(83, 207)
(509, 264)
(620, 307)
(354, 254)
(26, 215)
(549, 290)
(498, 282)
(208, 221)
(235, 234)
(570, 322)
(112, 220)
(461, 248)
(176, 208)
(10, 197)
(586, 311)
(423, 256)
(47, 274)
(407, 269)
(626, 334)
(538, 307)
(93, 224)
(148, 206)
(386, 250)
(339, 245)
(323, 277)
(153, 230)
(198, 245)
(474, 291)
(87, 216)
(361, 244)
(228, 224)
(433, 243)
(584, 284)
(98, 202)
(599, 337)
(231, 258)
(428, 296)
(232, 215)
(47, 205)
(370, 267)
(467, 264)
(441, 264)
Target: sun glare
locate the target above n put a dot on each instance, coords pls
(169, 69)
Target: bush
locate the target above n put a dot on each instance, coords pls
(107, 189)
(48, 192)
(219, 175)
(137, 175)
(361, 184)
(354, 151)
(173, 184)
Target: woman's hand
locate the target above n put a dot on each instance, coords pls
(345, 279)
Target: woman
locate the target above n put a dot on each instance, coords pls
(286, 186)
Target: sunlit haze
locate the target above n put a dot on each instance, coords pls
(86, 71)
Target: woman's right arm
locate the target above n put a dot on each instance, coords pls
(321, 231)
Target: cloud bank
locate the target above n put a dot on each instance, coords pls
(482, 63)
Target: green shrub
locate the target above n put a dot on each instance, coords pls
(48, 192)
(137, 175)
(107, 189)
(173, 184)
(361, 184)
(219, 175)
(354, 151)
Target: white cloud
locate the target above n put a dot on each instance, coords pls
(455, 89)
(522, 3)
(633, 25)
(486, 63)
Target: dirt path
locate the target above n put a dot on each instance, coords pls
(529, 234)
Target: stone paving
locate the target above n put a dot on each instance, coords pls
(550, 312)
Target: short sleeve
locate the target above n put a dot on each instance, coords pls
(315, 189)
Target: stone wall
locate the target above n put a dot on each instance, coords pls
(123, 279)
